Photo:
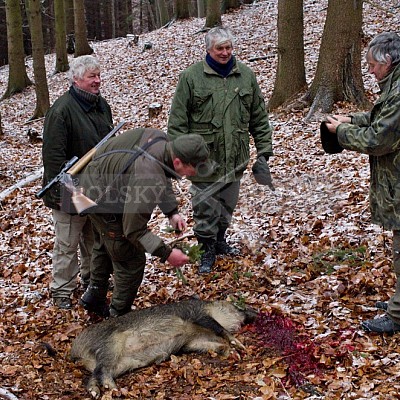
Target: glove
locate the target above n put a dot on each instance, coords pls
(262, 173)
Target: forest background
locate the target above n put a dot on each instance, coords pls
(311, 261)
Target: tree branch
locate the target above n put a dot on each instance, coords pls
(180, 238)
(28, 179)
(7, 395)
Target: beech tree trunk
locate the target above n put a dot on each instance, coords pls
(69, 16)
(338, 76)
(61, 46)
(182, 9)
(213, 14)
(39, 68)
(290, 76)
(81, 41)
(17, 77)
(201, 8)
(162, 12)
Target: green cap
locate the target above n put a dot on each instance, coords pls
(192, 149)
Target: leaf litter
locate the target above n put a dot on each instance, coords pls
(311, 261)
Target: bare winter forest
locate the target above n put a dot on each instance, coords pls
(311, 261)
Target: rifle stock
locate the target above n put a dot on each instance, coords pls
(82, 162)
(75, 165)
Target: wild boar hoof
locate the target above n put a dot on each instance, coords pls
(94, 392)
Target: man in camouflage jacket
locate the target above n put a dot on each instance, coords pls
(219, 99)
(377, 133)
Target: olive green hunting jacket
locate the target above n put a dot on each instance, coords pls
(377, 133)
(122, 181)
(223, 111)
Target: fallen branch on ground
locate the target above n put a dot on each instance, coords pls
(7, 395)
(28, 179)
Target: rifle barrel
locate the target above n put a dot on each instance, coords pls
(75, 165)
(51, 183)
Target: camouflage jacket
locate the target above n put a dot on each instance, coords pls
(223, 111)
(377, 133)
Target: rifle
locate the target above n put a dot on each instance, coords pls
(75, 165)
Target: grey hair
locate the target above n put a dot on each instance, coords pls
(385, 47)
(218, 35)
(80, 65)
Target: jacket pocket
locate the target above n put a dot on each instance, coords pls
(245, 99)
(242, 151)
(202, 111)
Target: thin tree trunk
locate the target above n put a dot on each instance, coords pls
(162, 12)
(213, 17)
(81, 41)
(3, 37)
(69, 16)
(113, 18)
(108, 27)
(39, 67)
(201, 8)
(182, 9)
(61, 48)
(151, 22)
(17, 77)
(290, 75)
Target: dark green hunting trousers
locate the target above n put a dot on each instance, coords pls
(115, 254)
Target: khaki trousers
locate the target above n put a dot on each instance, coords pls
(72, 232)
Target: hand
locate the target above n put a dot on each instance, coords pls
(177, 258)
(262, 173)
(177, 223)
(332, 122)
(342, 118)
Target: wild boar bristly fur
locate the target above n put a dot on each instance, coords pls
(142, 337)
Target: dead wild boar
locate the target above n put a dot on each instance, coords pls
(142, 337)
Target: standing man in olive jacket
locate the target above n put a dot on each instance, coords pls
(377, 133)
(75, 123)
(219, 98)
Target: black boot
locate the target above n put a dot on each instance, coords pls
(95, 300)
(117, 313)
(223, 248)
(208, 257)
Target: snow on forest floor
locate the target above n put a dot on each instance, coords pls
(309, 251)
